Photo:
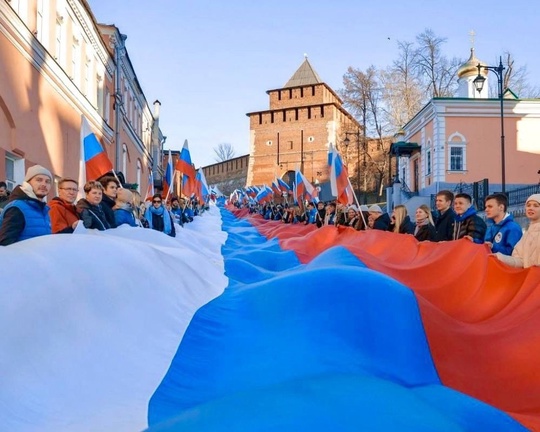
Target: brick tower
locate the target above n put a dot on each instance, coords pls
(304, 117)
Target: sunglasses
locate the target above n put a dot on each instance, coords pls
(156, 201)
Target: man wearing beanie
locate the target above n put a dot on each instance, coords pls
(26, 215)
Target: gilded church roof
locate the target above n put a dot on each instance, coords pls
(305, 75)
(470, 67)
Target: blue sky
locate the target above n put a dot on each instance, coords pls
(211, 62)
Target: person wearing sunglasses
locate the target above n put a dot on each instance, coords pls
(63, 213)
(159, 218)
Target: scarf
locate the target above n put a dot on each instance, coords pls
(160, 211)
(420, 224)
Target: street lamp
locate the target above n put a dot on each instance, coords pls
(347, 141)
(479, 84)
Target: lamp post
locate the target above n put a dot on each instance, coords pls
(347, 141)
(479, 84)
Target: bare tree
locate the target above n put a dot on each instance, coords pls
(514, 78)
(436, 71)
(224, 151)
(402, 92)
(363, 95)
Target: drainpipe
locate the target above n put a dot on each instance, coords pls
(118, 100)
(156, 144)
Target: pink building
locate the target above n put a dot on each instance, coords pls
(58, 63)
(458, 140)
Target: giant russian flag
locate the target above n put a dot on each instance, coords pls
(94, 160)
(271, 326)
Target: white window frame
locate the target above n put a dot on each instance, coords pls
(457, 143)
(76, 60)
(124, 160)
(59, 38)
(42, 22)
(139, 175)
(18, 170)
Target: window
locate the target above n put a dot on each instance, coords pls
(42, 32)
(107, 108)
(290, 145)
(124, 160)
(301, 92)
(139, 174)
(14, 170)
(279, 94)
(309, 112)
(59, 40)
(322, 111)
(284, 115)
(88, 78)
(99, 96)
(457, 152)
(456, 158)
(428, 162)
(75, 61)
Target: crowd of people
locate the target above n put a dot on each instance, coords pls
(25, 213)
(455, 218)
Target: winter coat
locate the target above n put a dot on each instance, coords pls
(469, 224)
(527, 251)
(382, 222)
(444, 225)
(107, 205)
(63, 215)
(23, 217)
(426, 232)
(93, 216)
(504, 235)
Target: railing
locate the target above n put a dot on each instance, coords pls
(519, 196)
(406, 191)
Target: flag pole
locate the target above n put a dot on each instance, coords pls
(170, 187)
(357, 203)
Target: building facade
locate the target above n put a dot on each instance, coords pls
(454, 141)
(228, 175)
(303, 117)
(63, 64)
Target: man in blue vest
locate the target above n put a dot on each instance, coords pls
(26, 214)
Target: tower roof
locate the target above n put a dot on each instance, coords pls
(470, 67)
(305, 75)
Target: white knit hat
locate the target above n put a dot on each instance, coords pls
(534, 197)
(37, 170)
(375, 209)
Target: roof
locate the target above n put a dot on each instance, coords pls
(305, 75)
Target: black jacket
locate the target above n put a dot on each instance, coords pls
(107, 205)
(93, 216)
(382, 222)
(444, 226)
(426, 232)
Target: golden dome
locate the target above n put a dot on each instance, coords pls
(470, 67)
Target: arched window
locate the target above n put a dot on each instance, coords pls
(457, 152)
(139, 175)
(124, 160)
